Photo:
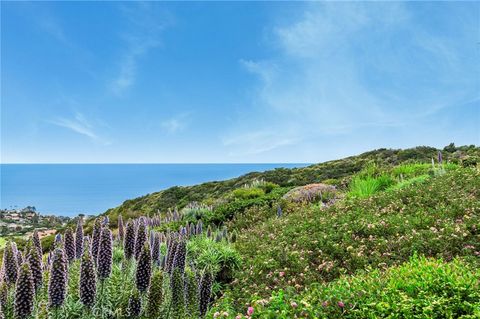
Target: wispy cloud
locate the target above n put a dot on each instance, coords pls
(343, 67)
(50, 25)
(145, 24)
(258, 142)
(176, 124)
(79, 124)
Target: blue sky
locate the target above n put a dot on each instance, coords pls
(235, 81)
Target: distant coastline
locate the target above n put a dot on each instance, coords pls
(21, 222)
(90, 189)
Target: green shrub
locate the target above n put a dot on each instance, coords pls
(471, 161)
(191, 214)
(226, 211)
(219, 258)
(248, 193)
(268, 187)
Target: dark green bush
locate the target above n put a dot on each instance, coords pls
(248, 193)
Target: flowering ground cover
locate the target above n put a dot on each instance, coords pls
(420, 288)
(311, 245)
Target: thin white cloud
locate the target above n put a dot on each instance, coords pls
(257, 142)
(79, 124)
(343, 67)
(53, 27)
(176, 124)
(145, 26)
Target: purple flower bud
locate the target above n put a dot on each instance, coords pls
(69, 245)
(129, 241)
(121, 231)
(11, 267)
(144, 269)
(37, 242)
(105, 254)
(205, 292)
(58, 280)
(141, 238)
(97, 230)
(88, 283)
(35, 262)
(79, 239)
(24, 293)
(178, 294)
(279, 211)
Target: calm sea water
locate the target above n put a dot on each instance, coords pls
(70, 189)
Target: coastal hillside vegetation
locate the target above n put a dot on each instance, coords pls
(217, 194)
(385, 234)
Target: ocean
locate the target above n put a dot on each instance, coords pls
(70, 189)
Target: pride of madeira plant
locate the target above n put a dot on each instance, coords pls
(143, 273)
(24, 293)
(88, 284)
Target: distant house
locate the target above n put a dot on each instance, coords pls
(30, 215)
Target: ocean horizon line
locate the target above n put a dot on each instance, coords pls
(167, 163)
(67, 189)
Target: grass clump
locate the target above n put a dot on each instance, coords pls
(248, 193)
(362, 187)
(408, 182)
(218, 257)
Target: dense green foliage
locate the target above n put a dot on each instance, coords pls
(438, 217)
(386, 234)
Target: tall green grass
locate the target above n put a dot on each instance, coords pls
(411, 170)
(407, 171)
(366, 186)
(373, 179)
(408, 182)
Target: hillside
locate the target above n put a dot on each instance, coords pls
(334, 172)
(385, 234)
(218, 194)
(438, 217)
